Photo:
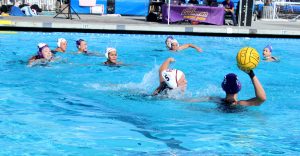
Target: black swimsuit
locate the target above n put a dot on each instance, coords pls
(228, 107)
(164, 88)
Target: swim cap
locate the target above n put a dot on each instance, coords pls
(60, 40)
(41, 46)
(269, 47)
(231, 84)
(169, 37)
(174, 41)
(108, 50)
(171, 77)
(79, 41)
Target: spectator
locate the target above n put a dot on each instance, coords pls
(229, 10)
(193, 2)
(268, 3)
(4, 10)
(27, 10)
(211, 3)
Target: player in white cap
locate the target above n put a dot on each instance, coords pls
(170, 78)
(111, 56)
(61, 46)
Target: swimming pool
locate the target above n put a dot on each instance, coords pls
(80, 107)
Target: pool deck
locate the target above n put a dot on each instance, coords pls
(137, 24)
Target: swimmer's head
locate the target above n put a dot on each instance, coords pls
(267, 51)
(78, 42)
(62, 43)
(108, 50)
(269, 47)
(174, 44)
(81, 45)
(174, 78)
(41, 46)
(44, 51)
(168, 41)
(231, 84)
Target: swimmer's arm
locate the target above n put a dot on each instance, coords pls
(158, 89)
(37, 62)
(260, 95)
(165, 66)
(32, 61)
(189, 45)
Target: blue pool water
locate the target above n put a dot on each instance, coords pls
(79, 107)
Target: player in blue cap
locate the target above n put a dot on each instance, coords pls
(267, 53)
(231, 85)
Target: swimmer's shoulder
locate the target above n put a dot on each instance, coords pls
(275, 59)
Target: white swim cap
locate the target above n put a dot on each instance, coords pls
(174, 41)
(171, 77)
(108, 50)
(60, 40)
(41, 45)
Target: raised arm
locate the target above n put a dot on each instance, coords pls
(188, 46)
(260, 95)
(162, 84)
(165, 66)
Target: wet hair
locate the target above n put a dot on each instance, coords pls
(78, 42)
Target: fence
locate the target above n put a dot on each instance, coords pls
(286, 10)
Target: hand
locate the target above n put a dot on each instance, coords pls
(243, 69)
(251, 74)
(199, 49)
(171, 59)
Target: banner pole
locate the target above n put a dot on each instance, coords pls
(169, 10)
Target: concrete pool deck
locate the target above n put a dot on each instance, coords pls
(137, 24)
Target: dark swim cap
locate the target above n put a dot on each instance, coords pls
(79, 41)
(231, 84)
(169, 37)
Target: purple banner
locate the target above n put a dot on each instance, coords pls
(203, 14)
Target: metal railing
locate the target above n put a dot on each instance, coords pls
(286, 10)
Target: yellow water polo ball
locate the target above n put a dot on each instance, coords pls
(247, 58)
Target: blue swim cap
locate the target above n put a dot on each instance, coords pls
(269, 47)
(231, 84)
